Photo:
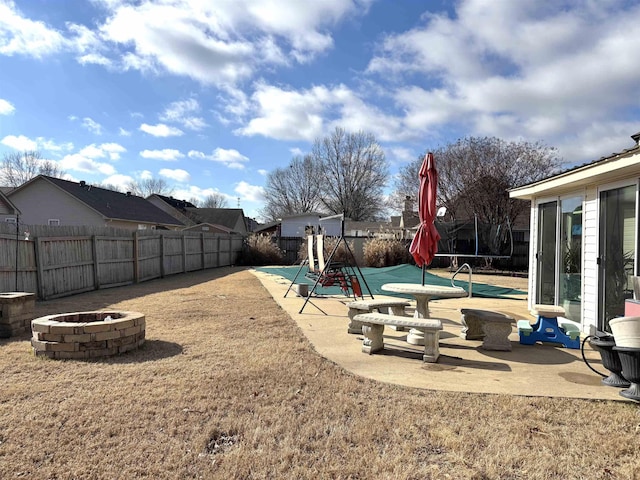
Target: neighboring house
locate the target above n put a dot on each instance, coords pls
(8, 211)
(252, 224)
(584, 237)
(174, 207)
(271, 228)
(232, 218)
(52, 201)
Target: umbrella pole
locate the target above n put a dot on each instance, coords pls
(423, 274)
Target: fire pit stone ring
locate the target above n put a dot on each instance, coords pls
(83, 335)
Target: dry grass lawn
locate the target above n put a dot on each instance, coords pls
(227, 387)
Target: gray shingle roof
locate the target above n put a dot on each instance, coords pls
(227, 217)
(115, 205)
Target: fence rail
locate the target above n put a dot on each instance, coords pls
(56, 263)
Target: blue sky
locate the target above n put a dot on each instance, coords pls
(212, 95)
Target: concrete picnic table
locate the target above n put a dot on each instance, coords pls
(422, 294)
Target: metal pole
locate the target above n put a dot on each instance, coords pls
(17, 246)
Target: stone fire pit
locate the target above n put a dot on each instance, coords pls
(81, 335)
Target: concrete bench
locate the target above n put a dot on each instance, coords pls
(373, 326)
(493, 328)
(394, 307)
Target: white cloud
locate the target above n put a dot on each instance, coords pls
(6, 108)
(167, 154)
(184, 112)
(564, 69)
(92, 151)
(124, 133)
(23, 143)
(145, 175)
(96, 59)
(263, 172)
(193, 191)
(117, 179)
(287, 114)
(19, 142)
(21, 36)
(111, 150)
(161, 130)
(230, 158)
(51, 146)
(400, 154)
(309, 114)
(81, 163)
(178, 174)
(296, 152)
(92, 125)
(248, 192)
(219, 43)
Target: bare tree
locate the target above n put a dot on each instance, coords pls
(293, 190)
(354, 174)
(149, 186)
(475, 174)
(111, 186)
(18, 168)
(215, 200)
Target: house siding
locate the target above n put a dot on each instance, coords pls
(590, 257)
(44, 201)
(533, 248)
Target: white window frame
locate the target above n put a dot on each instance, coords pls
(53, 222)
(10, 220)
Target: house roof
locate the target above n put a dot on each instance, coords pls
(267, 226)
(227, 217)
(174, 202)
(306, 214)
(606, 169)
(5, 200)
(108, 203)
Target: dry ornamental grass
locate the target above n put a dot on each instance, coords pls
(226, 386)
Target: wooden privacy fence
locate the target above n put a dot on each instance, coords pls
(56, 266)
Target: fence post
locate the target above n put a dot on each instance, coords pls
(184, 253)
(40, 274)
(202, 257)
(161, 256)
(217, 250)
(136, 258)
(96, 266)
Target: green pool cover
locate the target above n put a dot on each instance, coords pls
(376, 277)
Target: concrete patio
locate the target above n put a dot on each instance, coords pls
(539, 370)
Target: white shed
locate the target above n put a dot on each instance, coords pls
(584, 237)
(332, 225)
(300, 225)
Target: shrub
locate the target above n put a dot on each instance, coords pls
(260, 250)
(382, 252)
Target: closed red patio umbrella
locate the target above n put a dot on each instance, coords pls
(424, 245)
